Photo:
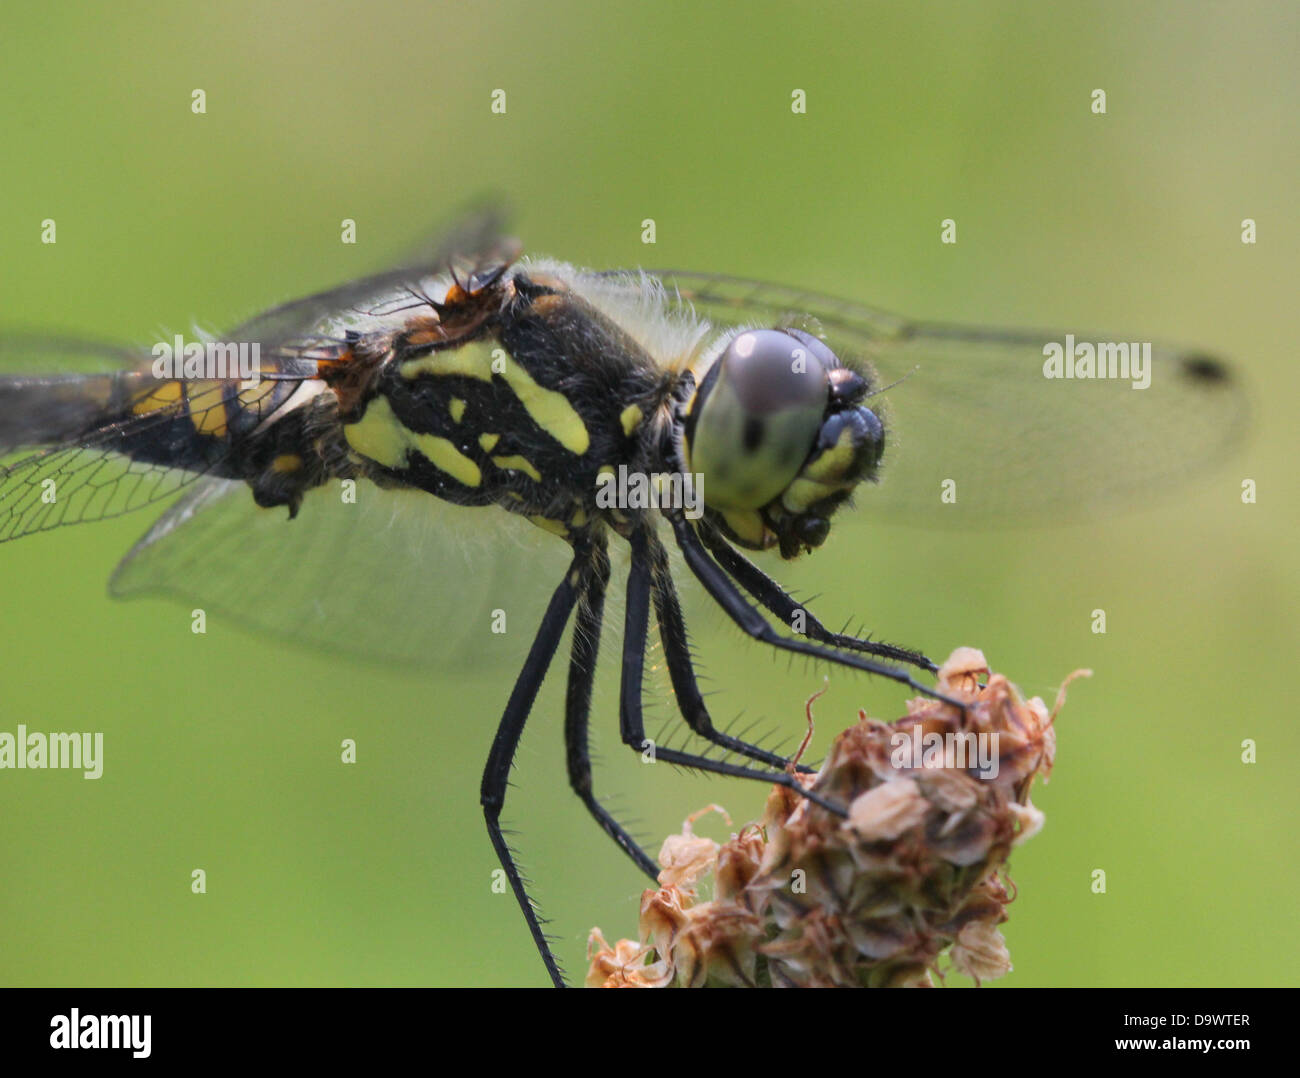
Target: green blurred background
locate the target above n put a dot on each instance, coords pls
(222, 750)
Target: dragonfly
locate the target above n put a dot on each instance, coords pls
(299, 458)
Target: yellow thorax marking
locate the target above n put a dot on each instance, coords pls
(385, 439)
(519, 464)
(549, 408)
(443, 455)
(380, 435)
(630, 418)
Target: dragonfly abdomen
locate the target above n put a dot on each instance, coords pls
(281, 437)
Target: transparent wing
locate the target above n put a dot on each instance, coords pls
(971, 406)
(54, 388)
(76, 486)
(63, 431)
(397, 576)
(473, 240)
(55, 358)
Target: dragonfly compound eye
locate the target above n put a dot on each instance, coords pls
(757, 416)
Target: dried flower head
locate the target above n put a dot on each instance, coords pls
(915, 870)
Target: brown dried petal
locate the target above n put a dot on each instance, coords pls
(716, 945)
(685, 858)
(887, 811)
(623, 965)
(981, 952)
(737, 864)
(962, 670)
(1029, 818)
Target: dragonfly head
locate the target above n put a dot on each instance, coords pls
(778, 432)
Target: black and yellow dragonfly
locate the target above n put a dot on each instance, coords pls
(726, 414)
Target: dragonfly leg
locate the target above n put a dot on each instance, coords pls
(496, 773)
(577, 707)
(677, 656)
(725, 592)
(631, 720)
(784, 606)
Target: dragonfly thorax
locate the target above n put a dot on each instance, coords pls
(530, 411)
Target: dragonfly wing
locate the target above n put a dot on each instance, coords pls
(971, 414)
(474, 239)
(37, 354)
(74, 486)
(68, 405)
(395, 576)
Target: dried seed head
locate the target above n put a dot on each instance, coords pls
(935, 802)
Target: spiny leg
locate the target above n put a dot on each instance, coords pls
(631, 722)
(577, 706)
(677, 655)
(768, 592)
(725, 592)
(496, 774)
